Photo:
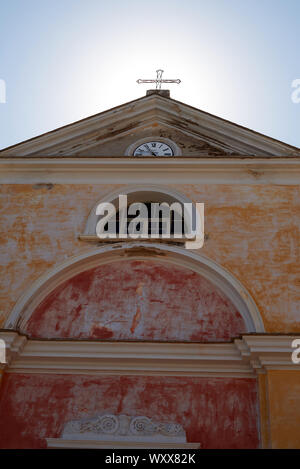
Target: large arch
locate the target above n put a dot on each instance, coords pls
(198, 263)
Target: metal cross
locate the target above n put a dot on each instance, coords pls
(158, 80)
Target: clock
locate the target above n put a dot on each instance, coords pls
(155, 148)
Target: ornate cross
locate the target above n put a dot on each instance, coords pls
(158, 80)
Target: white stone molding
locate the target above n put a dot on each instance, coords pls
(57, 443)
(109, 427)
(121, 430)
(114, 170)
(131, 358)
(14, 344)
(138, 250)
(268, 352)
(241, 358)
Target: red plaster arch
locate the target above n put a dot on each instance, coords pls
(213, 272)
(137, 300)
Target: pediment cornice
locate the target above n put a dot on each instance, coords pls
(146, 112)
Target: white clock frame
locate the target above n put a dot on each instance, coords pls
(154, 138)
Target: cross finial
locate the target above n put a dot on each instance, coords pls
(158, 81)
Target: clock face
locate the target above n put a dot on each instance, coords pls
(153, 149)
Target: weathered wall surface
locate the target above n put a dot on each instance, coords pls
(218, 413)
(134, 300)
(252, 231)
(284, 392)
(189, 145)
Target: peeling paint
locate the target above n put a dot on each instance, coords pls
(140, 300)
(254, 233)
(216, 412)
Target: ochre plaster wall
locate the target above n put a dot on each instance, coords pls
(252, 231)
(284, 408)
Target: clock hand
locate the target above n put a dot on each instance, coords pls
(146, 145)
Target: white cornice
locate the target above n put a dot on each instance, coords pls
(241, 358)
(129, 170)
(131, 358)
(268, 351)
(14, 344)
(94, 444)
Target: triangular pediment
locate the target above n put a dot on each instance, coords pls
(110, 133)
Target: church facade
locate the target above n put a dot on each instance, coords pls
(143, 342)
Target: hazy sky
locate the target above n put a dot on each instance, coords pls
(63, 60)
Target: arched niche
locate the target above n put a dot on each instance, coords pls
(146, 193)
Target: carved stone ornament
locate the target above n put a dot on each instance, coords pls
(109, 427)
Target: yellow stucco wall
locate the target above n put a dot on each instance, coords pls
(284, 408)
(252, 231)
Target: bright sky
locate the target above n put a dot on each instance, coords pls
(63, 60)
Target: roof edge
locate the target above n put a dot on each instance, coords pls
(157, 97)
